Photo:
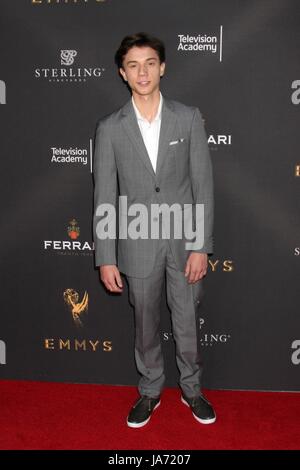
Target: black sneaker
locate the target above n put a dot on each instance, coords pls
(201, 408)
(141, 412)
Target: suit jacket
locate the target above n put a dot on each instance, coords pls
(122, 167)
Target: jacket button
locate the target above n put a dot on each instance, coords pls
(157, 189)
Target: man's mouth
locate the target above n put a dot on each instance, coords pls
(143, 83)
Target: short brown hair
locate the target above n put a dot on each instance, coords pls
(139, 40)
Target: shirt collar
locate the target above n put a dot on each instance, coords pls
(158, 114)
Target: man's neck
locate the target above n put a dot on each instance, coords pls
(147, 104)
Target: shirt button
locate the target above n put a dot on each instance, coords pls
(157, 189)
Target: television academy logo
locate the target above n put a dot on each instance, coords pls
(70, 247)
(295, 357)
(73, 155)
(67, 73)
(205, 43)
(2, 92)
(2, 352)
(295, 96)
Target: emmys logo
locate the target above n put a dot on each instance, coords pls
(67, 57)
(295, 96)
(2, 92)
(74, 344)
(73, 230)
(2, 352)
(77, 309)
(297, 170)
(295, 358)
(216, 265)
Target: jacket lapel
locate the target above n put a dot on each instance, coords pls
(133, 131)
(168, 122)
(167, 132)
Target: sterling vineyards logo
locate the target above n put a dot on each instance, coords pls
(68, 72)
(207, 338)
(67, 57)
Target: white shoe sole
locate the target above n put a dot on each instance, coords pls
(202, 421)
(140, 425)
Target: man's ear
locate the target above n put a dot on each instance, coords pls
(162, 68)
(123, 73)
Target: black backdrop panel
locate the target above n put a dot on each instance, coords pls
(57, 78)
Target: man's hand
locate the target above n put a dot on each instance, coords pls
(196, 267)
(110, 276)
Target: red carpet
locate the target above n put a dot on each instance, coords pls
(66, 416)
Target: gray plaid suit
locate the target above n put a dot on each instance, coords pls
(183, 175)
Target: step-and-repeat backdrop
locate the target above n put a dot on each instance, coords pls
(238, 61)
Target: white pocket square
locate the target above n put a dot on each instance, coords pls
(173, 142)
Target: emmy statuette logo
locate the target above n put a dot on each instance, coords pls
(77, 309)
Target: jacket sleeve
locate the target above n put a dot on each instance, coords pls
(202, 178)
(105, 192)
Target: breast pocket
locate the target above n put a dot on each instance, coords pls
(182, 146)
(181, 156)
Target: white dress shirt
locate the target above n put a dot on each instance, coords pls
(150, 131)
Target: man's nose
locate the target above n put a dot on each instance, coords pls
(143, 70)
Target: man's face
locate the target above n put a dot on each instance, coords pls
(142, 70)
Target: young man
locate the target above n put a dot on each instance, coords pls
(153, 152)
